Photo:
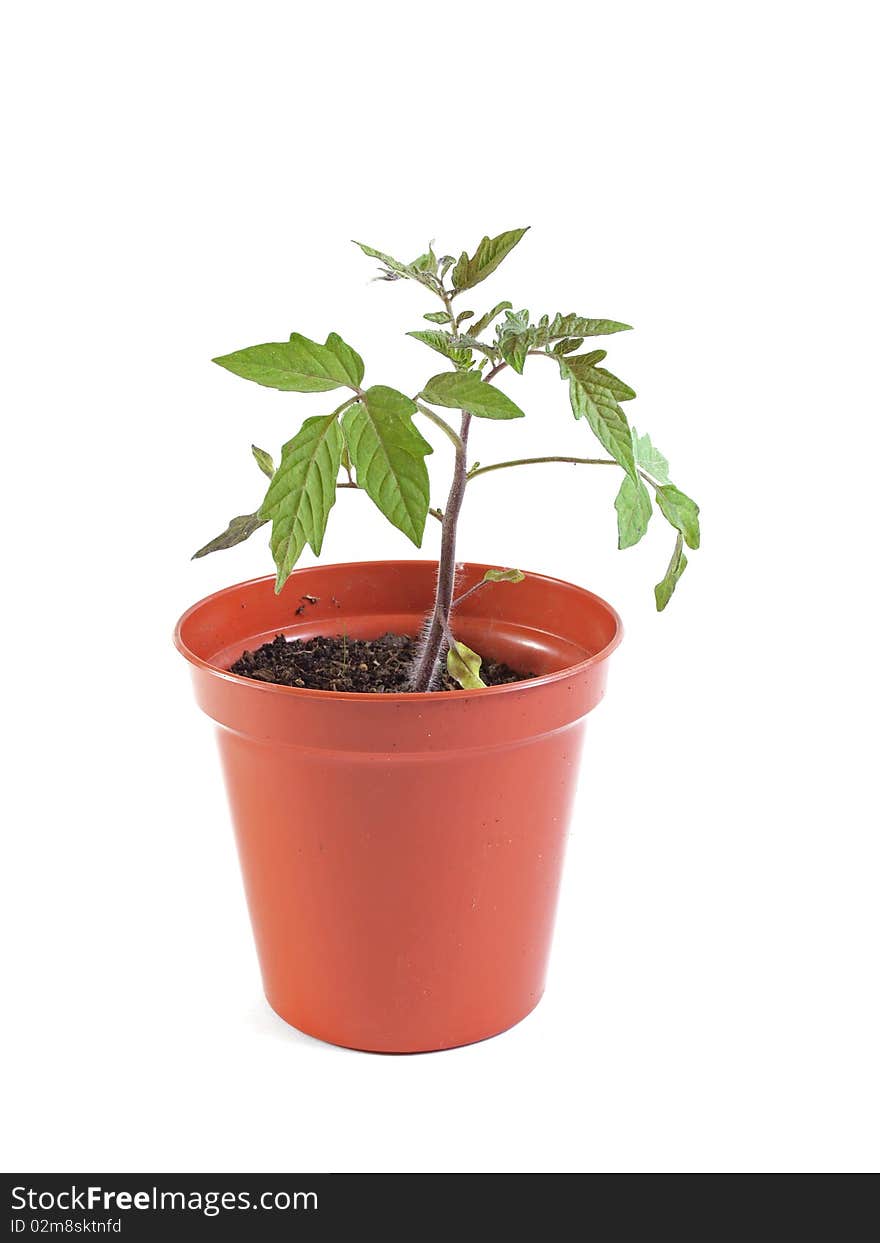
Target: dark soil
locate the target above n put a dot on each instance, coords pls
(377, 666)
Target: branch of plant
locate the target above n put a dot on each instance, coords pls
(441, 423)
(533, 461)
(470, 591)
(490, 375)
(574, 461)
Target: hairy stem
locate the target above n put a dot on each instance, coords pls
(438, 626)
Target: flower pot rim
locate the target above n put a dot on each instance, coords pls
(397, 697)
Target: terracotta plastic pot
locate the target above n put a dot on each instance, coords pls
(402, 853)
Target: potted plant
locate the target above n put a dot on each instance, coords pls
(400, 739)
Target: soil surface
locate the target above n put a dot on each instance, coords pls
(377, 666)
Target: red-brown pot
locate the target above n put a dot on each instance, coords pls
(402, 853)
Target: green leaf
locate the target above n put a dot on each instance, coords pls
(239, 529)
(485, 320)
(395, 270)
(616, 386)
(444, 343)
(464, 666)
(515, 336)
(389, 457)
(243, 526)
(677, 566)
(426, 262)
(577, 326)
(471, 343)
(303, 491)
(392, 265)
(681, 512)
(298, 365)
(633, 505)
(264, 461)
(486, 258)
(351, 362)
(649, 458)
(465, 390)
(594, 356)
(568, 345)
(514, 323)
(515, 350)
(438, 317)
(503, 576)
(595, 399)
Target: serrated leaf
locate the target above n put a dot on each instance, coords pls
(296, 366)
(264, 461)
(589, 360)
(388, 454)
(578, 326)
(471, 343)
(239, 529)
(387, 261)
(464, 665)
(444, 343)
(568, 345)
(514, 323)
(515, 350)
(486, 258)
(485, 320)
(594, 400)
(649, 458)
(396, 269)
(677, 566)
(503, 576)
(465, 390)
(438, 317)
(303, 491)
(426, 262)
(612, 383)
(681, 512)
(633, 505)
(463, 315)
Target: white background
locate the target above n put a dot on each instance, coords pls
(183, 180)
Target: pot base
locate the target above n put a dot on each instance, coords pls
(440, 1047)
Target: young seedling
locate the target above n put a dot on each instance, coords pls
(372, 438)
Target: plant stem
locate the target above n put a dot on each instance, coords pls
(438, 627)
(447, 302)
